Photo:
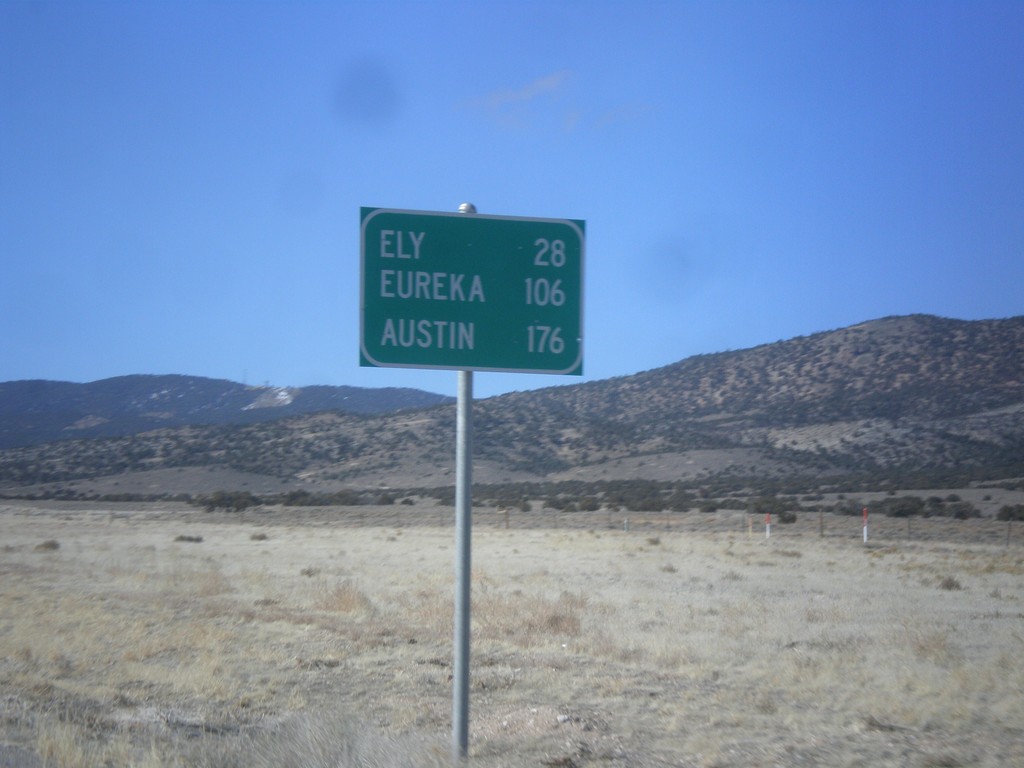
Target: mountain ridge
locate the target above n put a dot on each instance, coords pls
(34, 411)
(897, 396)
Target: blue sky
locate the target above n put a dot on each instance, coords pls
(180, 183)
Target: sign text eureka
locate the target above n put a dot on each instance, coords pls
(471, 291)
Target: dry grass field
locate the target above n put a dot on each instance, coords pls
(160, 635)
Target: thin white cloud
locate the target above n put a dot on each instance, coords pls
(543, 99)
(496, 100)
(519, 107)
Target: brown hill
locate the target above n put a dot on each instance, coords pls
(896, 397)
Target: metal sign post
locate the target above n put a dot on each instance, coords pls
(469, 292)
(463, 564)
(463, 555)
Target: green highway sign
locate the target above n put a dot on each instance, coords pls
(468, 291)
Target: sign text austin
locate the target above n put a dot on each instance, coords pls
(471, 292)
